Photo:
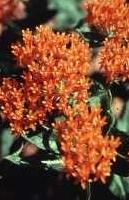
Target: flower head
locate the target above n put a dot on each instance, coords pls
(55, 67)
(12, 101)
(108, 15)
(114, 59)
(87, 154)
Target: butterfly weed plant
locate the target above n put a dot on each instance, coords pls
(71, 98)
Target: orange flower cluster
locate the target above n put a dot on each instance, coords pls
(112, 16)
(10, 10)
(12, 99)
(114, 59)
(87, 154)
(55, 67)
(108, 15)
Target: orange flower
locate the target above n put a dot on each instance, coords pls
(114, 59)
(87, 154)
(108, 15)
(55, 67)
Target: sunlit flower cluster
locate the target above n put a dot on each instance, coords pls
(55, 77)
(55, 66)
(108, 15)
(112, 16)
(114, 59)
(12, 94)
(10, 10)
(87, 154)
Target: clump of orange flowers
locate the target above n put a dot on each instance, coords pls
(108, 15)
(11, 10)
(55, 77)
(114, 59)
(87, 154)
(55, 66)
(112, 16)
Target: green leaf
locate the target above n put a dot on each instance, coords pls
(15, 157)
(69, 13)
(98, 93)
(95, 101)
(45, 140)
(84, 28)
(54, 4)
(119, 186)
(7, 140)
(53, 144)
(123, 122)
(37, 140)
(53, 164)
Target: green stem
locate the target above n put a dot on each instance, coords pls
(121, 156)
(110, 112)
(88, 197)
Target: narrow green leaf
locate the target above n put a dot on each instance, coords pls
(46, 140)
(7, 140)
(15, 157)
(53, 144)
(95, 101)
(123, 122)
(84, 28)
(37, 140)
(53, 164)
(119, 186)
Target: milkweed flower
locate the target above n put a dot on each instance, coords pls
(11, 10)
(59, 62)
(114, 59)
(55, 66)
(87, 154)
(108, 15)
(112, 16)
(12, 101)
